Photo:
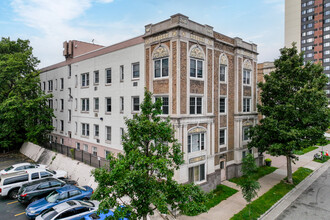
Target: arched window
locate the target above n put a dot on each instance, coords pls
(160, 57)
(196, 62)
(196, 139)
(223, 68)
(247, 68)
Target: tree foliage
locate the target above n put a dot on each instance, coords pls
(294, 106)
(141, 179)
(24, 113)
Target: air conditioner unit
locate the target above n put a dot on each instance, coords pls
(95, 88)
(135, 84)
(97, 140)
(96, 115)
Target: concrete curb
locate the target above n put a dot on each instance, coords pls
(286, 200)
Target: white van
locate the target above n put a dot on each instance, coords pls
(11, 183)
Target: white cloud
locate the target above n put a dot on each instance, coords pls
(54, 22)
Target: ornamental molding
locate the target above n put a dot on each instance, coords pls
(161, 51)
(247, 65)
(196, 52)
(223, 60)
(197, 130)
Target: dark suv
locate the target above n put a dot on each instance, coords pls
(33, 191)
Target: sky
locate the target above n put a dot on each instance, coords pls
(48, 23)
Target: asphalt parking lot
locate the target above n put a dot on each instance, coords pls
(11, 209)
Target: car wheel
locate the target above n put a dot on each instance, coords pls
(34, 199)
(13, 194)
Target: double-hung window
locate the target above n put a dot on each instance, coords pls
(108, 133)
(96, 131)
(96, 104)
(108, 76)
(62, 105)
(222, 136)
(222, 105)
(62, 125)
(61, 83)
(196, 68)
(108, 105)
(96, 77)
(222, 75)
(245, 133)
(195, 105)
(246, 104)
(197, 173)
(85, 105)
(161, 67)
(136, 70)
(196, 142)
(246, 77)
(136, 104)
(50, 85)
(85, 79)
(84, 129)
(165, 106)
(121, 104)
(121, 72)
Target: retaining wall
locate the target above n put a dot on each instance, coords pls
(76, 170)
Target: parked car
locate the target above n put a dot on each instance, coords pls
(70, 210)
(10, 183)
(33, 191)
(102, 216)
(21, 167)
(58, 196)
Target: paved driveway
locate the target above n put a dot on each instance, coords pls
(313, 203)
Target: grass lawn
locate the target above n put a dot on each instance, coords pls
(325, 158)
(267, 200)
(262, 171)
(306, 150)
(221, 193)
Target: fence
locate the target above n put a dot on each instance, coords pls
(77, 154)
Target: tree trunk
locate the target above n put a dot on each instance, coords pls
(289, 169)
(145, 217)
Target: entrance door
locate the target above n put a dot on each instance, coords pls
(223, 169)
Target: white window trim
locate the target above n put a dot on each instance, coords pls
(225, 144)
(226, 105)
(132, 99)
(106, 76)
(203, 68)
(250, 78)
(135, 78)
(161, 68)
(226, 73)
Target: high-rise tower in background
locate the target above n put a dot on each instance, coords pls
(307, 22)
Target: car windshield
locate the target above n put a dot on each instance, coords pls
(51, 171)
(52, 197)
(9, 168)
(49, 213)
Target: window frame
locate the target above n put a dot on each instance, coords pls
(224, 74)
(225, 105)
(133, 72)
(196, 68)
(247, 76)
(167, 106)
(96, 73)
(96, 130)
(122, 104)
(108, 134)
(201, 142)
(96, 104)
(161, 68)
(121, 73)
(84, 104)
(224, 130)
(108, 106)
(196, 106)
(107, 71)
(134, 104)
(85, 80)
(246, 104)
(191, 172)
(85, 129)
(245, 136)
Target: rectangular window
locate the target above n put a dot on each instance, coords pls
(121, 72)
(76, 81)
(197, 173)
(76, 125)
(94, 151)
(62, 125)
(85, 79)
(69, 67)
(50, 85)
(76, 103)
(161, 68)
(246, 76)
(165, 106)
(136, 104)
(55, 84)
(222, 105)
(96, 77)
(195, 105)
(222, 76)
(69, 115)
(44, 86)
(196, 68)
(121, 104)
(62, 104)
(136, 70)
(196, 142)
(246, 104)
(50, 103)
(96, 104)
(108, 76)
(78, 145)
(121, 134)
(108, 105)
(108, 133)
(222, 136)
(61, 83)
(85, 105)
(86, 147)
(96, 130)
(84, 129)
(245, 133)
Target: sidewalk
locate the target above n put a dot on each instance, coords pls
(234, 204)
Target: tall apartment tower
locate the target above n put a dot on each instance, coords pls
(307, 22)
(206, 80)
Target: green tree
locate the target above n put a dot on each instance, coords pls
(248, 185)
(294, 106)
(24, 113)
(143, 175)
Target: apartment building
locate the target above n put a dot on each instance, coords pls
(307, 22)
(207, 82)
